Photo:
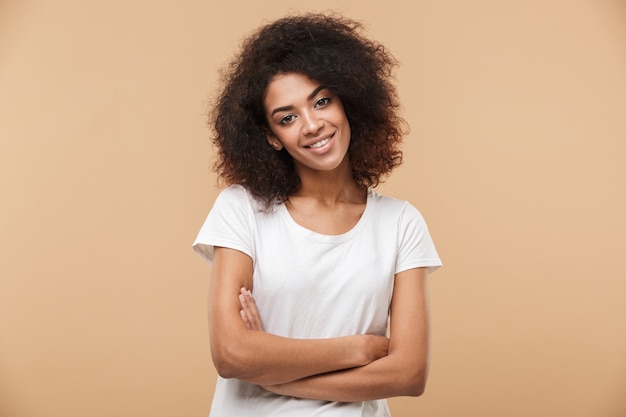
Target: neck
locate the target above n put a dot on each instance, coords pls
(331, 187)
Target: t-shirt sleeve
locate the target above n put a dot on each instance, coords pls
(416, 248)
(229, 224)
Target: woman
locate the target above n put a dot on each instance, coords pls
(306, 125)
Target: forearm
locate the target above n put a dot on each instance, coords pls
(390, 376)
(242, 349)
(266, 359)
(402, 372)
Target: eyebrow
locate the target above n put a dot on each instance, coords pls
(309, 97)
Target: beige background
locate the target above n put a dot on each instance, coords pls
(516, 159)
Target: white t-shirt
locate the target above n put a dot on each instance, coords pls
(310, 286)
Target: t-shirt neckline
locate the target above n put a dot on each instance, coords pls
(330, 238)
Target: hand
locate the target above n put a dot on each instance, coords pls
(249, 312)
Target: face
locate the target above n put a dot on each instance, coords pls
(308, 121)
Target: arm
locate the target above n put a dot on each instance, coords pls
(263, 358)
(402, 372)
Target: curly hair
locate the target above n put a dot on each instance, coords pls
(331, 50)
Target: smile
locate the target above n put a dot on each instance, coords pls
(320, 143)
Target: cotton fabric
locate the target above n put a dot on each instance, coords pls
(308, 285)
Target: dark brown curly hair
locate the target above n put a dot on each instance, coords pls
(331, 50)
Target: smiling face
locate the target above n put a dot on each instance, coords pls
(308, 121)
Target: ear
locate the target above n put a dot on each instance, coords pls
(273, 141)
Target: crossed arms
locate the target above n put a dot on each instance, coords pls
(350, 368)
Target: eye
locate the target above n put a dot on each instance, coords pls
(286, 119)
(322, 102)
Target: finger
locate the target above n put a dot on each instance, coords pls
(243, 301)
(252, 318)
(245, 312)
(244, 317)
(253, 311)
(249, 306)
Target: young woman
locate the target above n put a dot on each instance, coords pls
(306, 126)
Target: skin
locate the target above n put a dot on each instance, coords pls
(302, 115)
(263, 358)
(402, 372)
(308, 121)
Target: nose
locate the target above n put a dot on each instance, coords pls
(311, 123)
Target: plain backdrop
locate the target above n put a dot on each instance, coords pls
(515, 157)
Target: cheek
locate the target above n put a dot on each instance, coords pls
(342, 119)
(346, 128)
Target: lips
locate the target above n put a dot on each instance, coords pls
(320, 143)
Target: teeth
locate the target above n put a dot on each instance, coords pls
(320, 143)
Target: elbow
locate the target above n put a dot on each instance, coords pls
(228, 362)
(415, 382)
(416, 388)
(239, 361)
(224, 367)
(225, 370)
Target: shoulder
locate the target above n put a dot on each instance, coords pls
(393, 207)
(234, 192)
(415, 245)
(236, 196)
(238, 199)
